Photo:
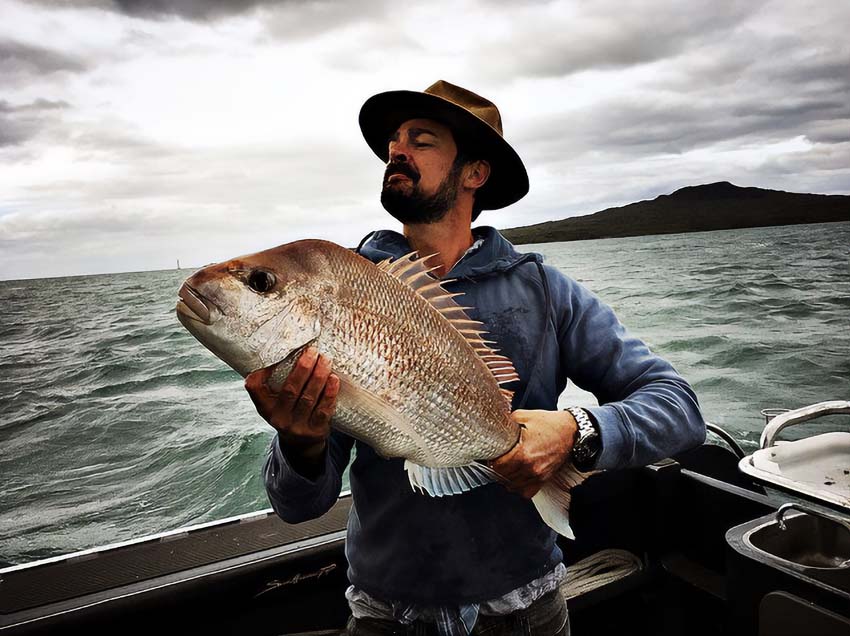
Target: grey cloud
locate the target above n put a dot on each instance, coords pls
(18, 58)
(13, 133)
(196, 10)
(198, 204)
(750, 87)
(606, 35)
(784, 65)
(830, 132)
(298, 21)
(156, 176)
(40, 104)
(645, 126)
(282, 17)
(821, 159)
(21, 122)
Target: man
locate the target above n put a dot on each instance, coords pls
(484, 560)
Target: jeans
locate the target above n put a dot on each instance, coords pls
(547, 616)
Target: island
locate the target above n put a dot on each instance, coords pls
(700, 208)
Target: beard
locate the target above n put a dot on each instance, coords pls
(415, 207)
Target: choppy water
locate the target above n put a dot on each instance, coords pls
(116, 423)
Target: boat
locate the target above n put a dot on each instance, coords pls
(693, 545)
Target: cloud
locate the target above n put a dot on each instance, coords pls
(196, 10)
(149, 130)
(124, 183)
(761, 84)
(558, 38)
(19, 123)
(828, 161)
(282, 18)
(20, 59)
(301, 20)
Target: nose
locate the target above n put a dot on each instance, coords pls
(398, 152)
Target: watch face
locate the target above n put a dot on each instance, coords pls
(587, 447)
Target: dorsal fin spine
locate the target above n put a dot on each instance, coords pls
(413, 272)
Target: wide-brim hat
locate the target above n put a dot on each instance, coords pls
(474, 120)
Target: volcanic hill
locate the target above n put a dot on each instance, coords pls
(701, 208)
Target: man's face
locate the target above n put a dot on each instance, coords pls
(421, 180)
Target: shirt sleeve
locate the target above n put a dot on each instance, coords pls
(646, 411)
(296, 498)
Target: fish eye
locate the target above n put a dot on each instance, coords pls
(261, 281)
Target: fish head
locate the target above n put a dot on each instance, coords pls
(254, 311)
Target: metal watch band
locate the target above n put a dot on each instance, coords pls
(587, 445)
(585, 426)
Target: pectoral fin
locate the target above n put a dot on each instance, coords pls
(441, 482)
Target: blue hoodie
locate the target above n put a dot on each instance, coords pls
(404, 546)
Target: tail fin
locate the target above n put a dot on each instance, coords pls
(553, 499)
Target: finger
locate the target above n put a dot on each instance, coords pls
(521, 487)
(262, 397)
(309, 397)
(512, 462)
(326, 406)
(509, 472)
(256, 379)
(293, 386)
(529, 491)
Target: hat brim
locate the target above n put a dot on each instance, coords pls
(383, 113)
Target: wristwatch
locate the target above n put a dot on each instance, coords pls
(588, 444)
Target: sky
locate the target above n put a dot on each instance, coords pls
(135, 133)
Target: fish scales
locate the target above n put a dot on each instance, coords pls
(393, 343)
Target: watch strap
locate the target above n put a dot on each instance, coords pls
(585, 426)
(588, 443)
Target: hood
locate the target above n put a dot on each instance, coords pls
(494, 255)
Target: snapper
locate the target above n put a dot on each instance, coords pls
(418, 379)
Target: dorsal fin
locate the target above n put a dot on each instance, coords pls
(412, 271)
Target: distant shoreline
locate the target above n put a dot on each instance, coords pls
(720, 229)
(703, 208)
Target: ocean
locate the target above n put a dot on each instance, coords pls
(116, 423)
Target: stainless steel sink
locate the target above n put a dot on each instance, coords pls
(808, 541)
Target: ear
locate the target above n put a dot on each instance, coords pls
(476, 174)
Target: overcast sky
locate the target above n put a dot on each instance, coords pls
(134, 133)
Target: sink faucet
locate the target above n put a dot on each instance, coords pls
(785, 508)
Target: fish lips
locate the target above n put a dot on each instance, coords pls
(193, 305)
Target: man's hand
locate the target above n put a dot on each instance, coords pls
(544, 445)
(301, 411)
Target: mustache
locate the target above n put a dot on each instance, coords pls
(401, 168)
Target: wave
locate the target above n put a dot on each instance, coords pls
(184, 379)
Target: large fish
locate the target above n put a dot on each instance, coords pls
(418, 379)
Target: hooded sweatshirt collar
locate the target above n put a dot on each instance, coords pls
(494, 255)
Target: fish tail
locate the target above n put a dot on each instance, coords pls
(553, 499)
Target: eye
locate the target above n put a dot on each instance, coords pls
(261, 281)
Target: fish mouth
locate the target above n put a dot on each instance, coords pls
(194, 306)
